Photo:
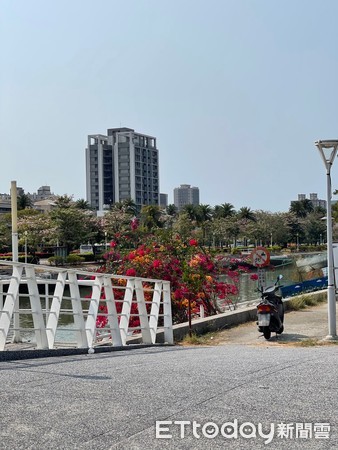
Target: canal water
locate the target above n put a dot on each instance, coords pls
(297, 269)
(248, 288)
(66, 325)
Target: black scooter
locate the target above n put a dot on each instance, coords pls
(270, 311)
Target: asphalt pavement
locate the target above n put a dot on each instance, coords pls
(307, 325)
(220, 396)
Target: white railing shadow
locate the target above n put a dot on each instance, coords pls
(100, 308)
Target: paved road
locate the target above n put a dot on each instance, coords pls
(303, 325)
(112, 400)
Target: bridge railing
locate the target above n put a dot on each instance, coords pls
(99, 308)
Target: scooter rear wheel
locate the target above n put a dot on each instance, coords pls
(267, 333)
(280, 331)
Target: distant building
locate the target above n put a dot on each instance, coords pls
(43, 193)
(122, 165)
(316, 202)
(163, 200)
(44, 205)
(186, 195)
(5, 203)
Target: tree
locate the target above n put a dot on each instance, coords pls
(295, 228)
(301, 208)
(40, 228)
(168, 216)
(183, 226)
(24, 202)
(191, 211)
(150, 217)
(220, 231)
(314, 228)
(116, 221)
(268, 227)
(129, 206)
(82, 204)
(224, 210)
(204, 216)
(74, 226)
(5, 231)
(64, 201)
(233, 229)
(171, 210)
(245, 213)
(204, 213)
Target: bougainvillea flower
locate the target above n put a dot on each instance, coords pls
(193, 243)
(131, 272)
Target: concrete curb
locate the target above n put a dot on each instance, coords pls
(13, 355)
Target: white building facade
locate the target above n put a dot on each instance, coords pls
(186, 195)
(122, 165)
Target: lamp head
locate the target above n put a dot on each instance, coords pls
(327, 143)
(328, 151)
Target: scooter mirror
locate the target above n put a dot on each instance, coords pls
(279, 277)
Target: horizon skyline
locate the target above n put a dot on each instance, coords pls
(169, 203)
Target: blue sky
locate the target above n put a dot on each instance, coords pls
(236, 92)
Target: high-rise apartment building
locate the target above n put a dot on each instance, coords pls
(316, 202)
(163, 200)
(122, 165)
(186, 195)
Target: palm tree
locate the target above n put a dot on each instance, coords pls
(245, 216)
(301, 207)
(204, 213)
(82, 204)
(224, 210)
(245, 213)
(191, 211)
(204, 216)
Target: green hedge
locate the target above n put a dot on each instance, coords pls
(21, 258)
(69, 260)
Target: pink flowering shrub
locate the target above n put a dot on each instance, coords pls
(193, 273)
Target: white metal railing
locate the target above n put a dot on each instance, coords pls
(55, 293)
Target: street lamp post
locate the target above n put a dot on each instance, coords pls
(328, 151)
(25, 233)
